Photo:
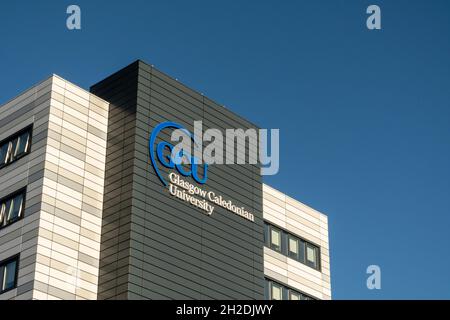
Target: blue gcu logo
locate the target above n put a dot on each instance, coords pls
(167, 161)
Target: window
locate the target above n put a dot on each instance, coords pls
(296, 248)
(278, 291)
(15, 147)
(312, 256)
(11, 208)
(3, 152)
(292, 246)
(275, 239)
(294, 295)
(22, 144)
(8, 274)
(15, 211)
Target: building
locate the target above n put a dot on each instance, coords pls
(304, 236)
(85, 216)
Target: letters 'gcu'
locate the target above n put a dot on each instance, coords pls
(167, 161)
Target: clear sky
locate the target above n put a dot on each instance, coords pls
(364, 116)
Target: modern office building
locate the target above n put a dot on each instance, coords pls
(91, 207)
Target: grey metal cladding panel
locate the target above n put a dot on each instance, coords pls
(229, 268)
(17, 114)
(114, 80)
(231, 245)
(17, 167)
(25, 287)
(224, 256)
(184, 281)
(191, 218)
(167, 99)
(213, 107)
(120, 90)
(10, 236)
(121, 94)
(120, 129)
(161, 111)
(151, 73)
(119, 204)
(161, 105)
(162, 96)
(108, 288)
(18, 124)
(163, 229)
(118, 163)
(159, 198)
(160, 288)
(178, 241)
(176, 290)
(119, 151)
(183, 264)
(165, 274)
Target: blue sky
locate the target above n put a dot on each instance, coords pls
(363, 115)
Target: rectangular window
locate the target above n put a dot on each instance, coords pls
(11, 208)
(312, 258)
(2, 212)
(294, 295)
(16, 208)
(293, 247)
(15, 147)
(275, 239)
(12, 149)
(8, 274)
(22, 144)
(276, 291)
(3, 153)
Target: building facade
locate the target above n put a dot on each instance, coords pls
(300, 260)
(86, 212)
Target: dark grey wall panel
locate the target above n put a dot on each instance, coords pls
(120, 90)
(167, 248)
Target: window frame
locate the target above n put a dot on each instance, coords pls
(285, 291)
(294, 292)
(302, 244)
(11, 196)
(10, 152)
(11, 220)
(6, 151)
(297, 240)
(280, 231)
(3, 264)
(19, 144)
(280, 286)
(317, 253)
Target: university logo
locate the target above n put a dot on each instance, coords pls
(222, 146)
(181, 160)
